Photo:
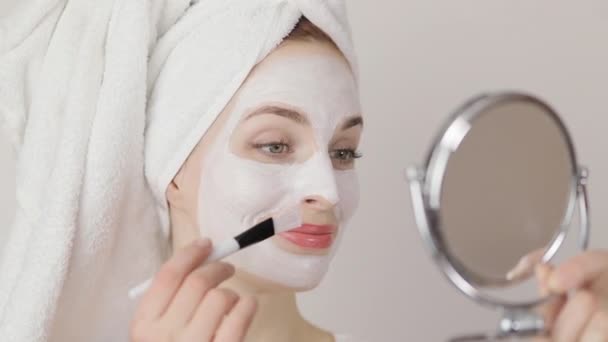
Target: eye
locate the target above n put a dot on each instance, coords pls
(273, 149)
(344, 157)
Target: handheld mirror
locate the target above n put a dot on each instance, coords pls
(495, 198)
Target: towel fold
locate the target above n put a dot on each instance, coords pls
(103, 100)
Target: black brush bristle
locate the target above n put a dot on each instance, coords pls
(255, 234)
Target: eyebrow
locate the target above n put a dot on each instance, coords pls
(352, 122)
(299, 117)
(280, 111)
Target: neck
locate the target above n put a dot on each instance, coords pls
(277, 317)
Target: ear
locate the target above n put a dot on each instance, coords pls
(181, 201)
(175, 194)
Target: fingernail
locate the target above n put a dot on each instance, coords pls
(203, 242)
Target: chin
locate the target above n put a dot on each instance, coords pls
(265, 285)
(276, 265)
(290, 247)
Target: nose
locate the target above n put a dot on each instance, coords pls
(316, 183)
(319, 203)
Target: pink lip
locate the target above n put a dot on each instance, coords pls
(311, 236)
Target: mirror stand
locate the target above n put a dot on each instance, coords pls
(513, 324)
(520, 323)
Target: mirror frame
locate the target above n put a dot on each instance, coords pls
(426, 184)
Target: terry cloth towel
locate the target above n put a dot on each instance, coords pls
(103, 100)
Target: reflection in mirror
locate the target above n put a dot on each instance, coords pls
(505, 193)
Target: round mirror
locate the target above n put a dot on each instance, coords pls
(507, 187)
(496, 197)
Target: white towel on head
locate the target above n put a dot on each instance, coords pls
(200, 63)
(75, 79)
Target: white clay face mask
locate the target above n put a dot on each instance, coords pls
(237, 192)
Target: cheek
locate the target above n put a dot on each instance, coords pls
(241, 190)
(348, 188)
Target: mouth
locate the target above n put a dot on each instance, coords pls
(311, 236)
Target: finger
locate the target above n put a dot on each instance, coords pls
(210, 313)
(578, 271)
(234, 326)
(526, 265)
(168, 280)
(574, 317)
(193, 290)
(597, 329)
(550, 309)
(543, 273)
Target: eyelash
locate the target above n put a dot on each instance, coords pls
(281, 143)
(342, 155)
(351, 155)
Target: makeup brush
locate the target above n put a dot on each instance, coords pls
(283, 221)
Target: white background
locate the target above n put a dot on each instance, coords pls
(419, 59)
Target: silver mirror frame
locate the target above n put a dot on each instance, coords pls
(425, 189)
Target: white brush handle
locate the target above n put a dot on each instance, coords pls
(138, 290)
(219, 252)
(223, 250)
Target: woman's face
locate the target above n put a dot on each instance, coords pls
(288, 139)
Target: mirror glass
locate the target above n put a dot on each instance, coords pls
(496, 198)
(506, 192)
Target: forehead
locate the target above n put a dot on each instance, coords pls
(311, 77)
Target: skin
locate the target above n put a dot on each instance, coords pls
(184, 302)
(187, 302)
(580, 311)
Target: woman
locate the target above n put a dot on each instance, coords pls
(294, 117)
(297, 109)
